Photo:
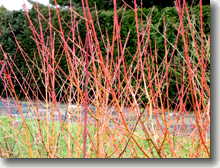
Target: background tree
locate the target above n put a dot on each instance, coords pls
(108, 4)
(16, 21)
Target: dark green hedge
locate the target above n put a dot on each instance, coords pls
(20, 27)
(108, 4)
(172, 19)
(169, 14)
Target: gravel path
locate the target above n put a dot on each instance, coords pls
(178, 126)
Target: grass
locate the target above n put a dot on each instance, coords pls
(13, 142)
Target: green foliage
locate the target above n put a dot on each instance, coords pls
(108, 4)
(100, 4)
(169, 14)
(171, 18)
(20, 27)
(15, 22)
(60, 2)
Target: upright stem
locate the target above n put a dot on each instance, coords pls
(86, 100)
